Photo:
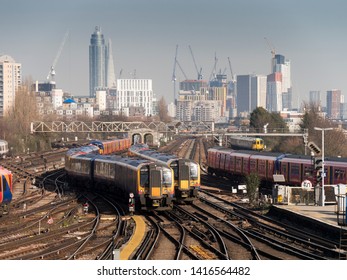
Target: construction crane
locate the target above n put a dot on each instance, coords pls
(231, 71)
(213, 73)
(273, 52)
(196, 68)
(51, 73)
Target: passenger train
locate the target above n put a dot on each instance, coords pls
(150, 182)
(248, 143)
(186, 172)
(5, 190)
(295, 169)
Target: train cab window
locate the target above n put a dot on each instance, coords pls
(166, 177)
(193, 170)
(144, 177)
(174, 166)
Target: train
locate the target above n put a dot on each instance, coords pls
(3, 148)
(110, 146)
(5, 190)
(246, 143)
(237, 164)
(186, 172)
(150, 183)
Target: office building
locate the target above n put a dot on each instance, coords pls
(10, 80)
(251, 92)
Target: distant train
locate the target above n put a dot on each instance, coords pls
(248, 143)
(107, 147)
(295, 169)
(151, 182)
(5, 190)
(3, 148)
(186, 172)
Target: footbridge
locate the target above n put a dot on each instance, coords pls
(158, 130)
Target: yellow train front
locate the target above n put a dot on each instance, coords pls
(151, 183)
(186, 172)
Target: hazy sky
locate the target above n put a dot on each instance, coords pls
(312, 34)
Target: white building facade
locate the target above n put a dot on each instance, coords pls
(135, 93)
(10, 80)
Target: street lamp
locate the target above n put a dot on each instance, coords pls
(323, 170)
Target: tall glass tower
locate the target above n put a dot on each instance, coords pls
(97, 62)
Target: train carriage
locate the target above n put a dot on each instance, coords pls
(336, 170)
(296, 169)
(111, 146)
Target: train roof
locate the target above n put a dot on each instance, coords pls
(3, 142)
(81, 150)
(4, 171)
(244, 138)
(134, 162)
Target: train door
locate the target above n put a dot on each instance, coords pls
(155, 184)
(183, 175)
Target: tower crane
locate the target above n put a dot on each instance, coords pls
(231, 71)
(51, 73)
(273, 51)
(174, 72)
(213, 73)
(196, 68)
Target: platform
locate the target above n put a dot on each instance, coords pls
(323, 220)
(139, 233)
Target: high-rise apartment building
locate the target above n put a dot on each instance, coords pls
(135, 93)
(101, 68)
(334, 100)
(10, 80)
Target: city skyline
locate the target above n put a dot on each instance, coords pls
(144, 36)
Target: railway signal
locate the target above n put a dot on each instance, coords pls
(314, 148)
(131, 203)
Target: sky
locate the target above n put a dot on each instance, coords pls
(144, 34)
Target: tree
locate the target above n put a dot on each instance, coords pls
(252, 186)
(334, 141)
(273, 121)
(163, 112)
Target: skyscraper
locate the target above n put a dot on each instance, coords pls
(282, 66)
(10, 80)
(251, 92)
(97, 62)
(111, 77)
